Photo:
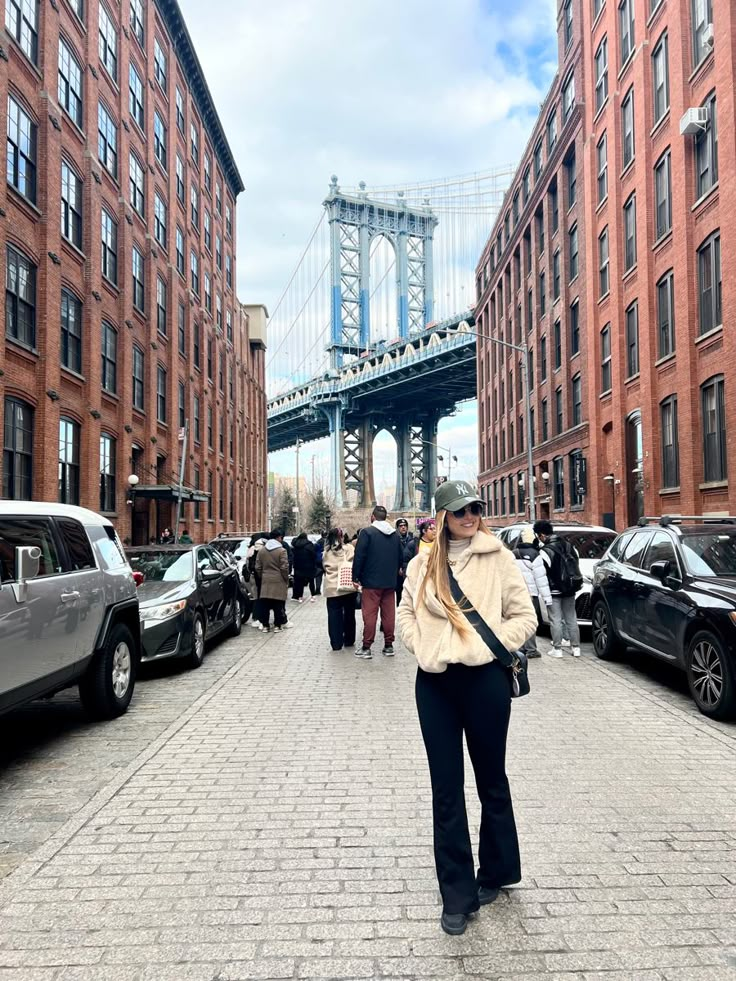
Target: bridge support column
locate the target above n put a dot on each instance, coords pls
(365, 276)
(404, 499)
(402, 276)
(335, 413)
(428, 279)
(357, 466)
(429, 438)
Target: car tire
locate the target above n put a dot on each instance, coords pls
(196, 654)
(237, 622)
(606, 644)
(710, 675)
(107, 686)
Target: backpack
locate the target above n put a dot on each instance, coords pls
(565, 568)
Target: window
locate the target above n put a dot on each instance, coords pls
(661, 78)
(138, 277)
(543, 358)
(159, 220)
(221, 498)
(231, 384)
(218, 250)
(161, 393)
(666, 315)
(71, 205)
(194, 270)
(222, 436)
(18, 451)
(558, 482)
(20, 298)
(197, 486)
(670, 439)
(207, 173)
(107, 473)
(218, 311)
(228, 221)
(194, 140)
(626, 29)
(709, 283)
(139, 369)
(632, 340)
(574, 328)
(706, 151)
(108, 44)
(229, 324)
(221, 373)
(109, 353)
(159, 64)
(22, 149)
(663, 195)
(71, 331)
(568, 97)
(606, 359)
(179, 251)
(630, 233)
(567, 18)
(573, 236)
(182, 329)
(210, 496)
(107, 140)
(197, 420)
(137, 19)
(529, 309)
(70, 83)
(627, 124)
(137, 185)
(556, 275)
(161, 304)
(210, 436)
(602, 157)
(229, 270)
(207, 293)
(545, 421)
(603, 263)
(542, 295)
(159, 139)
(571, 171)
(557, 344)
(207, 224)
(196, 345)
(218, 198)
(180, 178)
(577, 400)
(68, 463)
(551, 132)
(21, 22)
(554, 207)
(601, 74)
(210, 359)
(194, 200)
(525, 186)
(135, 96)
(701, 13)
(714, 429)
(109, 247)
(182, 404)
(540, 232)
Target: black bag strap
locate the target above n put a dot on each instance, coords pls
(479, 624)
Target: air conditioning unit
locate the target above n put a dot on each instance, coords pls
(694, 121)
(708, 37)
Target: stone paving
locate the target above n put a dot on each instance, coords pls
(279, 827)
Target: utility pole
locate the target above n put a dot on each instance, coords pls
(299, 444)
(313, 457)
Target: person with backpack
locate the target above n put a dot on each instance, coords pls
(533, 569)
(563, 573)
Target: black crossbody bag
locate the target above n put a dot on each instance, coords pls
(515, 661)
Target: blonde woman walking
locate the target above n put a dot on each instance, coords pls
(462, 688)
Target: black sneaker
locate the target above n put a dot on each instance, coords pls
(454, 923)
(388, 650)
(486, 896)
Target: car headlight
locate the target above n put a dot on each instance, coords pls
(164, 611)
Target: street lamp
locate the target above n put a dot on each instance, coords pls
(450, 458)
(299, 444)
(133, 481)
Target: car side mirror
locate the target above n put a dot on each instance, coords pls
(661, 570)
(27, 564)
(209, 573)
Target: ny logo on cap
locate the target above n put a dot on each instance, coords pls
(464, 488)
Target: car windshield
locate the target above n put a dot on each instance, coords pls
(710, 553)
(162, 566)
(589, 544)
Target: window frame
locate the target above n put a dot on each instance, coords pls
(628, 131)
(600, 62)
(138, 278)
(22, 424)
(22, 150)
(70, 83)
(109, 358)
(629, 229)
(661, 87)
(139, 378)
(631, 321)
(711, 248)
(705, 150)
(666, 345)
(71, 210)
(715, 459)
(108, 473)
(606, 362)
(69, 461)
(670, 463)
(161, 401)
(602, 165)
(107, 140)
(70, 353)
(20, 297)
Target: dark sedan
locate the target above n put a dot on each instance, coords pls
(187, 595)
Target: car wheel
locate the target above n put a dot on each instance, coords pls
(605, 642)
(107, 686)
(196, 655)
(711, 677)
(237, 622)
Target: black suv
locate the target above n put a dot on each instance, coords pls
(668, 588)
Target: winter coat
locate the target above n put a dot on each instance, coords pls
(305, 557)
(378, 557)
(407, 548)
(552, 553)
(272, 566)
(487, 573)
(331, 561)
(319, 551)
(532, 567)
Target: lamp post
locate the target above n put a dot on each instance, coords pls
(445, 449)
(299, 444)
(133, 481)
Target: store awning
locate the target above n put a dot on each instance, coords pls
(170, 492)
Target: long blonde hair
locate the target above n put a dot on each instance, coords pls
(436, 573)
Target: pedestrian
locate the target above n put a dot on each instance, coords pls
(167, 537)
(319, 551)
(563, 572)
(427, 528)
(402, 530)
(185, 538)
(533, 569)
(461, 687)
(340, 600)
(376, 565)
(257, 542)
(273, 566)
(305, 567)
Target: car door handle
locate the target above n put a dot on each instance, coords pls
(205, 585)
(69, 597)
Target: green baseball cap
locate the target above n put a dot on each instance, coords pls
(455, 494)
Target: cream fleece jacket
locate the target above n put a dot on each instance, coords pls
(487, 574)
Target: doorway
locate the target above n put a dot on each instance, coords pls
(634, 467)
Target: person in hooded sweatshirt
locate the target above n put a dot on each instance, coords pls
(402, 530)
(377, 564)
(534, 570)
(305, 567)
(273, 566)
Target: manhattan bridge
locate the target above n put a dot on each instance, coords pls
(375, 330)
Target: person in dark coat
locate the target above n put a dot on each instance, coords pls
(305, 567)
(376, 566)
(272, 566)
(402, 530)
(319, 549)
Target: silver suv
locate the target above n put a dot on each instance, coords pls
(68, 608)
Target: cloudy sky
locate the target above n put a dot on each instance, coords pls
(386, 91)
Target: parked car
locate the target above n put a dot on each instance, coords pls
(68, 608)
(235, 549)
(590, 541)
(669, 589)
(188, 594)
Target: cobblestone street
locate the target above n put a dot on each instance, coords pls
(269, 817)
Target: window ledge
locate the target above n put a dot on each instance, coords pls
(632, 378)
(700, 67)
(71, 374)
(665, 360)
(24, 201)
(654, 14)
(713, 485)
(26, 350)
(709, 335)
(109, 395)
(704, 197)
(599, 112)
(629, 274)
(659, 125)
(627, 168)
(627, 64)
(668, 490)
(601, 204)
(662, 240)
(74, 250)
(598, 16)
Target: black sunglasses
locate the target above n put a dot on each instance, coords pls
(476, 509)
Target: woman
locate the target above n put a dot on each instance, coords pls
(340, 602)
(305, 567)
(272, 565)
(427, 528)
(460, 687)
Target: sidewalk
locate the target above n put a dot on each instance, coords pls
(281, 828)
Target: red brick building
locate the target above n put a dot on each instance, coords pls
(117, 241)
(656, 364)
